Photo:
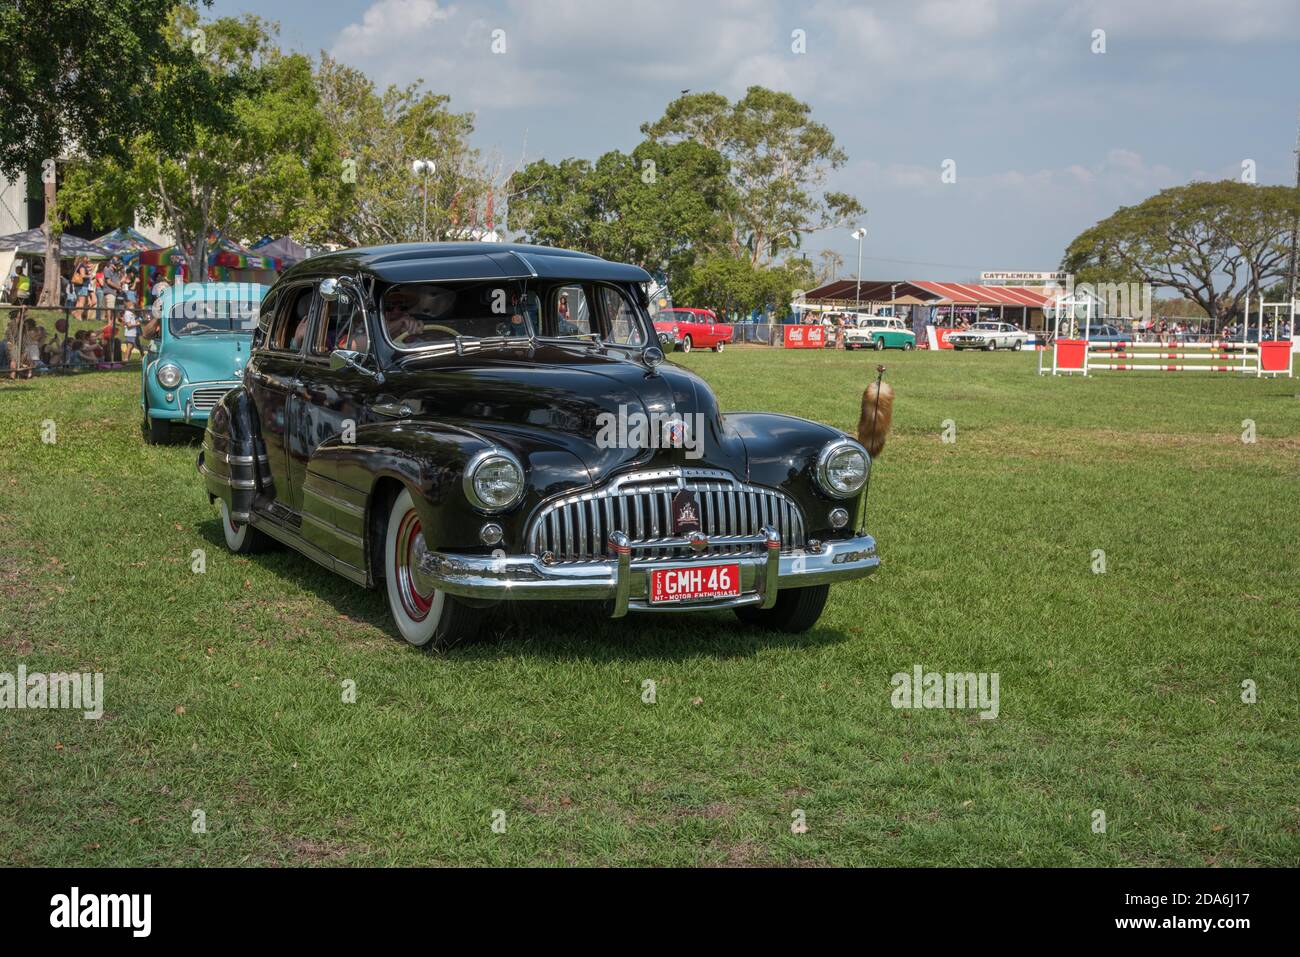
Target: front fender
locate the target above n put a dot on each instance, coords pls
(783, 451)
(430, 459)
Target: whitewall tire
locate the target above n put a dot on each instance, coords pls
(241, 538)
(424, 618)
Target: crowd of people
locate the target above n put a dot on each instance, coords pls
(105, 293)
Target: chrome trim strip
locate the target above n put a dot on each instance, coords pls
(333, 529)
(232, 459)
(248, 484)
(333, 500)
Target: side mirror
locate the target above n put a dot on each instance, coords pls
(347, 359)
(652, 356)
(329, 289)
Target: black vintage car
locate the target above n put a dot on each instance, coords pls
(465, 423)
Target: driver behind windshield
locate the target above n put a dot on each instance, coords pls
(428, 314)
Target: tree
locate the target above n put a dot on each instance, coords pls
(72, 82)
(831, 264)
(778, 161)
(266, 165)
(658, 207)
(731, 285)
(379, 136)
(1214, 243)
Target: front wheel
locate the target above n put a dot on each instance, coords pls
(991, 346)
(796, 610)
(719, 347)
(878, 345)
(157, 431)
(686, 344)
(425, 619)
(909, 346)
(1019, 344)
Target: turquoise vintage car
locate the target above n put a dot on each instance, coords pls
(879, 332)
(198, 355)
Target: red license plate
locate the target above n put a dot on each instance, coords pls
(694, 583)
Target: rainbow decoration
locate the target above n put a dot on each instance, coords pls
(225, 260)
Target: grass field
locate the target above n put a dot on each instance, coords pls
(1119, 691)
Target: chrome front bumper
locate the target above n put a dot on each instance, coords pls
(627, 584)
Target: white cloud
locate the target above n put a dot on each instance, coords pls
(387, 23)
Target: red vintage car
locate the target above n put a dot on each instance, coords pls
(693, 328)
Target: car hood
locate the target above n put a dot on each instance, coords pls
(583, 399)
(208, 356)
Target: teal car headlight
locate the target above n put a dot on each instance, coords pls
(842, 468)
(168, 375)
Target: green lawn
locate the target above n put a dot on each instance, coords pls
(1119, 692)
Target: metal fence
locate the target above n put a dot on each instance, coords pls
(40, 340)
(758, 333)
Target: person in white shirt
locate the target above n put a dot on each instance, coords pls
(131, 336)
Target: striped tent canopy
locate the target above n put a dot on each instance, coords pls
(31, 242)
(125, 241)
(227, 262)
(222, 253)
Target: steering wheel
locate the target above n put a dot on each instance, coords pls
(447, 329)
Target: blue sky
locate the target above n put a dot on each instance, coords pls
(1047, 136)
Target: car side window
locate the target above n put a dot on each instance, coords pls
(571, 315)
(290, 325)
(265, 319)
(280, 336)
(350, 328)
(621, 321)
(339, 325)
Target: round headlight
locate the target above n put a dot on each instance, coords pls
(494, 480)
(842, 468)
(168, 375)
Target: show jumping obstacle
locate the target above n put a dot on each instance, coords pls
(1260, 358)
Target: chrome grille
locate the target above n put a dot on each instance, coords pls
(205, 399)
(577, 527)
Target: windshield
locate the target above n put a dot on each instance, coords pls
(426, 314)
(429, 315)
(197, 317)
(992, 326)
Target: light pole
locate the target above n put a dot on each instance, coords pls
(858, 234)
(426, 167)
(893, 294)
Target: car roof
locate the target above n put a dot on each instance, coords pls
(424, 262)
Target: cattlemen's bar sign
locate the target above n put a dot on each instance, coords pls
(1022, 277)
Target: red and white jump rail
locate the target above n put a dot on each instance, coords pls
(1249, 358)
(1271, 356)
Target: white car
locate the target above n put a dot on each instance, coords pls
(989, 336)
(879, 332)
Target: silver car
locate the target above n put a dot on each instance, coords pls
(989, 336)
